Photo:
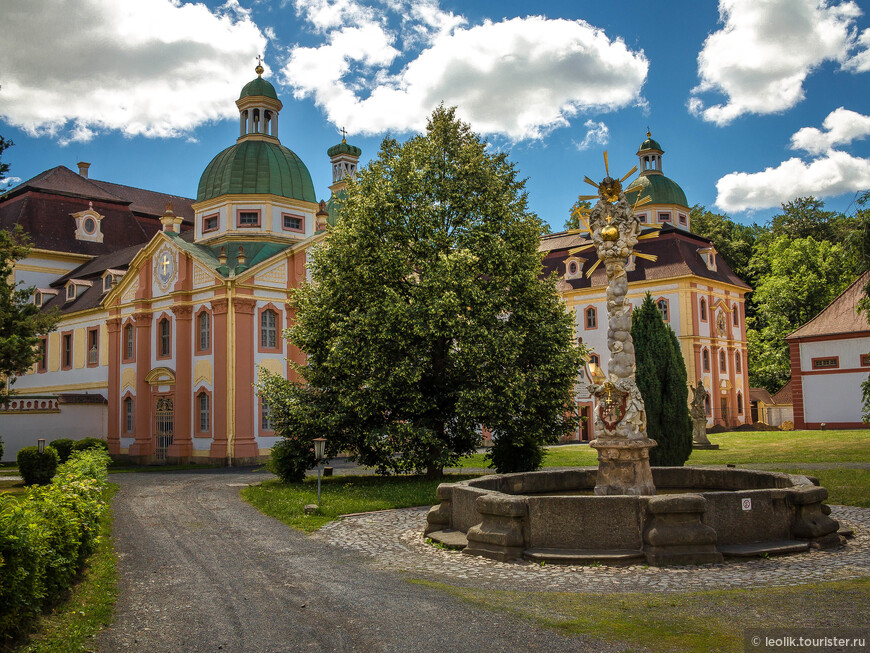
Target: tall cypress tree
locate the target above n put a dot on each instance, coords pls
(662, 380)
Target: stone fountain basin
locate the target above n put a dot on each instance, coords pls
(700, 516)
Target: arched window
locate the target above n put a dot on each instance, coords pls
(204, 411)
(203, 329)
(723, 367)
(703, 309)
(591, 318)
(265, 417)
(739, 404)
(129, 342)
(735, 315)
(269, 329)
(128, 414)
(593, 358)
(707, 404)
(737, 362)
(705, 360)
(662, 305)
(164, 347)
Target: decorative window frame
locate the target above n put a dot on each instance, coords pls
(74, 285)
(667, 310)
(96, 236)
(42, 363)
(735, 315)
(641, 217)
(738, 364)
(96, 357)
(708, 255)
(865, 360)
(263, 432)
(723, 362)
(705, 359)
(128, 323)
(259, 224)
(205, 218)
(683, 219)
(595, 359)
(708, 405)
(817, 363)
(586, 313)
(279, 329)
(703, 310)
(197, 431)
(64, 365)
(578, 272)
(196, 345)
(739, 402)
(664, 217)
(158, 336)
(284, 226)
(132, 399)
(111, 276)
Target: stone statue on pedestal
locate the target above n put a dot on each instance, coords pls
(698, 411)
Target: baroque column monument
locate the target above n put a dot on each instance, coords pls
(620, 418)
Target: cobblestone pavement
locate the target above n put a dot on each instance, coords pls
(393, 540)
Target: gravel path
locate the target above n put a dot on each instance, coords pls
(200, 570)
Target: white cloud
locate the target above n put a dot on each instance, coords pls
(841, 128)
(766, 49)
(833, 174)
(519, 78)
(597, 133)
(150, 67)
(9, 181)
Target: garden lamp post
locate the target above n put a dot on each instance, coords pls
(319, 447)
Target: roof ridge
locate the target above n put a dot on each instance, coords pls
(836, 299)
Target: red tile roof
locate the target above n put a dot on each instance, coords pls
(760, 394)
(840, 317)
(784, 394)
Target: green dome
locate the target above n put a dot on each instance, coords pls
(343, 148)
(650, 144)
(255, 166)
(259, 86)
(660, 189)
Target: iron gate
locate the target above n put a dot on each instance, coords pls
(164, 419)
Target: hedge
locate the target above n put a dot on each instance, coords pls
(63, 446)
(37, 467)
(90, 443)
(45, 537)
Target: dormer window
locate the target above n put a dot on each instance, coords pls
(75, 288)
(88, 225)
(573, 267)
(43, 295)
(111, 278)
(708, 254)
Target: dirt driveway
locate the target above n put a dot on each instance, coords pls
(201, 570)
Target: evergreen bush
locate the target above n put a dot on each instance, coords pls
(63, 446)
(90, 443)
(37, 468)
(662, 381)
(290, 458)
(45, 536)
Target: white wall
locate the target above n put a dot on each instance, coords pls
(833, 397)
(75, 421)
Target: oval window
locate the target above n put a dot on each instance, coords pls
(90, 225)
(572, 267)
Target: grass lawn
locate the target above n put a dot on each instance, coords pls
(73, 624)
(341, 495)
(684, 622)
(846, 487)
(11, 487)
(740, 448)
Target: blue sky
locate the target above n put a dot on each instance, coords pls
(754, 101)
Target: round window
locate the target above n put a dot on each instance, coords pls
(90, 225)
(572, 267)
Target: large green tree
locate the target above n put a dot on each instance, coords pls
(733, 241)
(21, 322)
(802, 277)
(427, 319)
(662, 381)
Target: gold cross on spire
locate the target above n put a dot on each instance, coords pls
(343, 135)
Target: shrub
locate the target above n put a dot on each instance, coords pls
(90, 443)
(37, 468)
(45, 536)
(1, 448)
(63, 446)
(290, 458)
